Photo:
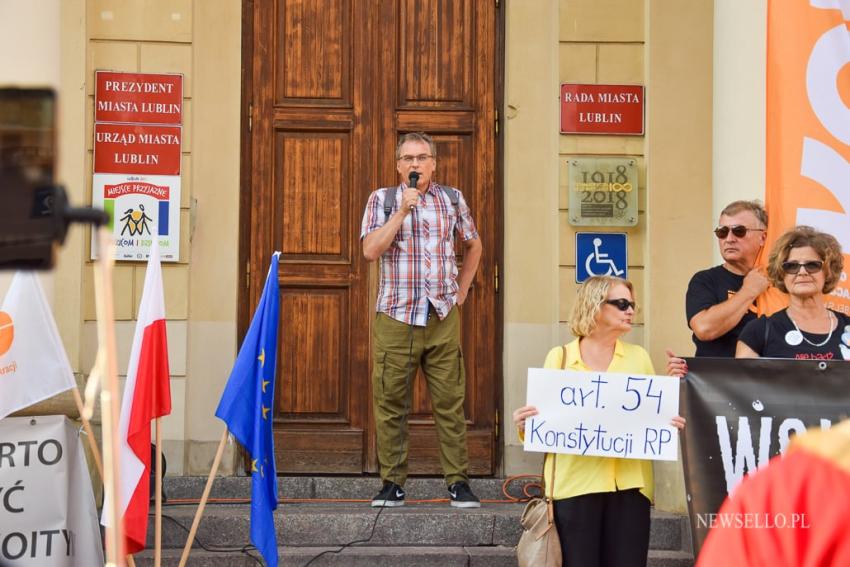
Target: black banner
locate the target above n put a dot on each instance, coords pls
(742, 412)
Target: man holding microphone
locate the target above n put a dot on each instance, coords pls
(411, 228)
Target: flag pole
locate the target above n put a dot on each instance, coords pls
(109, 401)
(157, 517)
(199, 512)
(95, 451)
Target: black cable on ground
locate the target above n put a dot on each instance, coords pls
(409, 393)
(245, 549)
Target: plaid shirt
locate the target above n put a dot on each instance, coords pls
(419, 266)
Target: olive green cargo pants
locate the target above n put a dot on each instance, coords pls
(399, 350)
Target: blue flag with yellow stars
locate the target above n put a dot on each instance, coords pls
(246, 407)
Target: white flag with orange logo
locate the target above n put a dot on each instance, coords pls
(33, 363)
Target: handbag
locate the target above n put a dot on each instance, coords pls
(539, 544)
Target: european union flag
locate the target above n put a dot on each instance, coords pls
(246, 408)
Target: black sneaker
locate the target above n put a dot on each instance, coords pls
(391, 495)
(462, 496)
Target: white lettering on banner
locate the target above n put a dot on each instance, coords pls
(600, 117)
(163, 139)
(603, 97)
(115, 138)
(843, 5)
(117, 106)
(743, 460)
(621, 98)
(602, 414)
(820, 162)
(827, 167)
(829, 55)
(136, 159)
(579, 97)
(138, 87)
(160, 108)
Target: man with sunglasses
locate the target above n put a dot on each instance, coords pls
(412, 228)
(721, 300)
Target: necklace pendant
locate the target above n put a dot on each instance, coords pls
(798, 336)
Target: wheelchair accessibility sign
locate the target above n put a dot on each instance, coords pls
(600, 254)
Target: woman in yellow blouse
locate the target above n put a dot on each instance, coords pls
(601, 503)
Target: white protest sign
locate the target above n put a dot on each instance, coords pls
(47, 511)
(602, 414)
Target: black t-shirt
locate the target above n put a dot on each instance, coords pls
(707, 289)
(779, 344)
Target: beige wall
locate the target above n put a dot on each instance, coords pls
(530, 280)
(34, 24)
(592, 42)
(201, 40)
(679, 64)
(740, 49)
(217, 62)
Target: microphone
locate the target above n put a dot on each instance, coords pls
(413, 179)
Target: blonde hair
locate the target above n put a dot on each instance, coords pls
(826, 246)
(589, 300)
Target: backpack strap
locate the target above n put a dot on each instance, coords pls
(389, 201)
(453, 195)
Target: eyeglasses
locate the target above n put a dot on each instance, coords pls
(739, 230)
(622, 303)
(812, 267)
(420, 158)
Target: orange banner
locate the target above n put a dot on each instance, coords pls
(808, 126)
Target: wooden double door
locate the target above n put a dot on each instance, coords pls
(328, 87)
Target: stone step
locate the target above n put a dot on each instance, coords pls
(496, 556)
(329, 524)
(352, 488)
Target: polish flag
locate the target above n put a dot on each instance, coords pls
(147, 395)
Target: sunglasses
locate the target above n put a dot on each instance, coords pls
(739, 230)
(812, 267)
(622, 304)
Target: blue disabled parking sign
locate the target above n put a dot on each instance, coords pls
(600, 254)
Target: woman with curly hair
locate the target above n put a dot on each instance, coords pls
(806, 264)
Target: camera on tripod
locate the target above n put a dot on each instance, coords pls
(34, 211)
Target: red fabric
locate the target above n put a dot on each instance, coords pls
(802, 484)
(151, 399)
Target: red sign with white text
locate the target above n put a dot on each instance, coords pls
(137, 149)
(161, 192)
(602, 109)
(144, 98)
